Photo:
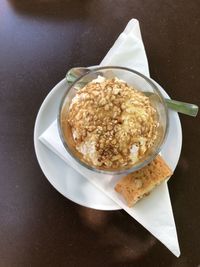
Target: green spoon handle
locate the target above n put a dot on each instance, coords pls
(182, 107)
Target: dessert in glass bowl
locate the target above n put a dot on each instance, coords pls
(113, 120)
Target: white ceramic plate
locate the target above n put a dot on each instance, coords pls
(69, 182)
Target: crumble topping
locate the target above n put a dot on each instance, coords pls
(113, 124)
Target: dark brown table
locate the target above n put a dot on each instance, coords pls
(39, 41)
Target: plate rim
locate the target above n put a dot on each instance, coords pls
(38, 154)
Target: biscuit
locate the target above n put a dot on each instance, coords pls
(139, 183)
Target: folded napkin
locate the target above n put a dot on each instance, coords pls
(153, 212)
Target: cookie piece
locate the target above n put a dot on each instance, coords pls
(139, 183)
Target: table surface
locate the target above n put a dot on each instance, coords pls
(39, 42)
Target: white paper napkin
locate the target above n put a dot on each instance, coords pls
(153, 212)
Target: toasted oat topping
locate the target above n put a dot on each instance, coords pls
(113, 124)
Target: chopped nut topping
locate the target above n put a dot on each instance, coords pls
(110, 118)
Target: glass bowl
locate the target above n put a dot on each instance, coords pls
(132, 78)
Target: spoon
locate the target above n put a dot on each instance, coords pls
(181, 107)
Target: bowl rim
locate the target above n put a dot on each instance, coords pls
(125, 170)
